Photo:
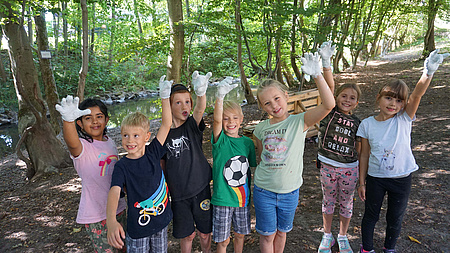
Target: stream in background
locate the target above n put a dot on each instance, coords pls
(150, 106)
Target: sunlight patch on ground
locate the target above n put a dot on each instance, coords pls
(74, 185)
(21, 163)
(18, 235)
(376, 63)
(430, 146)
(51, 221)
(14, 198)
(439, 87)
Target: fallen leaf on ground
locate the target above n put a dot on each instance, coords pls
(413, 239)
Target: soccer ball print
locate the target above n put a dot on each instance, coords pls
(235, 171)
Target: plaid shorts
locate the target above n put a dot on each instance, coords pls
(156, 243)
(98, 234)
(224, 216)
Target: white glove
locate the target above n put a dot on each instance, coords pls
(224, 87)
(69, 109)
(164, 87)
(326, 51)
(431, 64)
(200, 83)
(311, 65)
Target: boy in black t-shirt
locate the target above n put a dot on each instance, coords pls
(140, 173)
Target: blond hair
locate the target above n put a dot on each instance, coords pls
(136, 119)
(270, 83)
(232, 106)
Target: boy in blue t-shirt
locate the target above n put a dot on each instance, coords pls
(233, 156)
(139, 173)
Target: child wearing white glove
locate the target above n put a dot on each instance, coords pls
(94, 155)
(230, 196)
(386, 162)
(186, 169)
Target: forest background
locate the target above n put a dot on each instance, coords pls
(105, 47)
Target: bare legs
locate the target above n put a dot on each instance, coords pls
(273, 243)
(205, 242)
(343, 223)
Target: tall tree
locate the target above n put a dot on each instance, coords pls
(431, 11)
(84, 52)
(245, 85)
(51, 93)
(175, 58)
(45, 151)
(113, 32)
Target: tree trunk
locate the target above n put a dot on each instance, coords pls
(429, 43)
(30, 26)
(188, 10)
(175, 58)
(45, 151)
(91, 48)
(138, 19)
(3, 75)
(51, 93)
(66, 37)
(56, 31)
(113, 33)
(84, 52)
(293, 55)
(245, 85)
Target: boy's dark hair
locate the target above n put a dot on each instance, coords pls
(91, 102)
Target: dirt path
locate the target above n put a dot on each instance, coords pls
(40, 216)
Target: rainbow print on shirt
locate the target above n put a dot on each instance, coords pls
(107, 164)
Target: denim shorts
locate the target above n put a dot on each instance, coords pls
(274, 211)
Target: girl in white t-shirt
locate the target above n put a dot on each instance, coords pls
(280, 144)
(386, 160)
(94, 155)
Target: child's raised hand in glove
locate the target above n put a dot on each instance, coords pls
(69, 109)
(433, 61)
(311, 65)
(224, 87)
(200, 83)
(326, 50)
(164, 87)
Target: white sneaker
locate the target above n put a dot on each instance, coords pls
(344, 245)
(326, 244)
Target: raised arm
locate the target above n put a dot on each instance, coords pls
(69, 112)
(311, 67)
(431, 64)
(200, 83)
(166, 117)
(326, 51)
(223, 88)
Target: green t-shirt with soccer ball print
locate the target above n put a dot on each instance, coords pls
(232, 159)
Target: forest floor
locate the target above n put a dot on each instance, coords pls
(40, 216)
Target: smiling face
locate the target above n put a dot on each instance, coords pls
(274, 102)
(389, 106)
(347, 100)
(181, 105)
(94, 123)
(133, 140)
(231, 122)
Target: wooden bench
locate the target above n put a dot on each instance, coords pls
(298, 102)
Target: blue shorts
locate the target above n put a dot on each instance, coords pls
(274, 211)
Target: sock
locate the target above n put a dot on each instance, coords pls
(341, 236)
(328, 234)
